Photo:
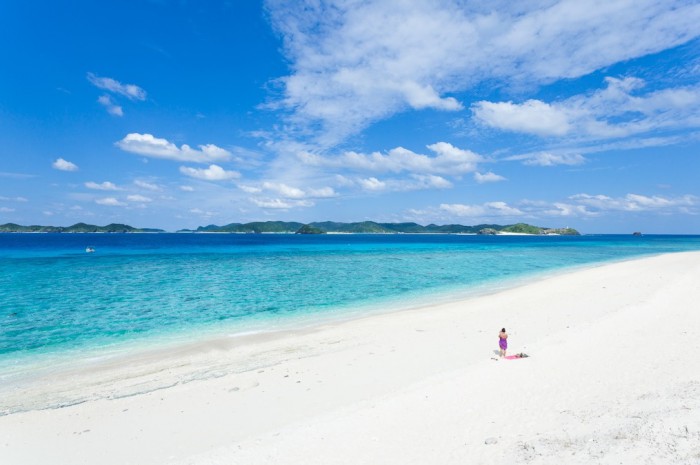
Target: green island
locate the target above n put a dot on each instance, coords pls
(371, 227)
(293, 227)
(76, 228)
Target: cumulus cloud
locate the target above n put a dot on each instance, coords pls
(150, 146)
(203, 213)
(621, 109)
(532, 116)
(430, 181)
(552, 159)
(138, 198)
(281, 204)
(110, 202)
(286, 191)
(250, 189)
(587, 205)
(482, 178)
(64, 165)
(147, 185)
(568, 210)
(448, 160)
(130, 91)
(290, 192)
(6, 210)
(581, 206)
(485, 210)
(187, 188)
(213, 173)
(372, 184)
(414, 182)
(109, 104)
(104, 186)
(637, 202)
(353, 63)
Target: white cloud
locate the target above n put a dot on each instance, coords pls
(485, 210)
(150, 146)
(584, 206)
(416, 182)
(64, 165)
(105, 186)
(448, 160)
(343, 181)
(566, 209)
(532, 116)
(488, 177)
(109, 104)
(372, 184)
(6, 210)
(552, 159)
(110, 202)
(14, 199)
(187, 188)
(131, 91)
(250, 189)
(354, 63)
(321, 193)
(148, 186)
(138, 198)
(637, 202)
(430, 181)
(202, 213)
(292, 192)
(420, 97)
(621, 109)
(284, 190)
(281, 204)
(213, 173)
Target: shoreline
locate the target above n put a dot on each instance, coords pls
(50, 368)
(405, 382)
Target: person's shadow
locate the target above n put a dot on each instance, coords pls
(496, 352)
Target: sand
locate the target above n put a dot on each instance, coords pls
(613, 377)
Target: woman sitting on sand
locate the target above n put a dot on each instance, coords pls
(502, 342)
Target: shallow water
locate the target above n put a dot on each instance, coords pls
(58, 299)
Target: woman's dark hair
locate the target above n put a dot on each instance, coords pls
(503, 330)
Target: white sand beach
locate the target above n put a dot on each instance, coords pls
(613, 377)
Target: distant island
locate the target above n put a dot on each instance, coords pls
(371, 227)
(76, 228)
(292, 227)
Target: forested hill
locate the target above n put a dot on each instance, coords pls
(289, 227)
(76, 228)
(370, 227)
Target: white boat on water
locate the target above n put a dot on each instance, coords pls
(89, 249)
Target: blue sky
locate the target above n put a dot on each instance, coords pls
(175, 114)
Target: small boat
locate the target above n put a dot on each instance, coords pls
(90, 249)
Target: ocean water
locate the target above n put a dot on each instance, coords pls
(57, 299)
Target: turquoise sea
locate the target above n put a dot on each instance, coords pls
(144, 288)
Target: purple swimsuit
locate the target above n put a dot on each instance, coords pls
(502, 343)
